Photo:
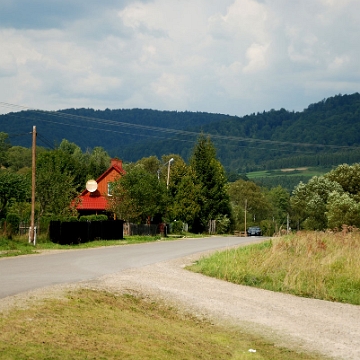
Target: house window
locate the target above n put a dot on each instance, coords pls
(110, 187)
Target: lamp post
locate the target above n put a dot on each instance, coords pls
(168, 173)
(168, 163)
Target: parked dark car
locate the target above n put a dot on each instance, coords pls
(254, 231)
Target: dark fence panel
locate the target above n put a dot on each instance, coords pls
(55, 231)
(66, 233)
(96, 230)
(144, 230)
(112, 230)
(74, 232)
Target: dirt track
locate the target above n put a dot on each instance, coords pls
(331, 329)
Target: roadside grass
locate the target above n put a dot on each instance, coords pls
(309, 264)
(19, 245)
(14, 247)
(90, 324)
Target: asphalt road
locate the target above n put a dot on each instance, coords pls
(31, 272)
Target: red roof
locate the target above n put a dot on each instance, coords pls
(97, 200)
(92, 203)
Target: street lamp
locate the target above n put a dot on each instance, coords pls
(168, 174)
(168, 163)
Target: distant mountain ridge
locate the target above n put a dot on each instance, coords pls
(324, 133)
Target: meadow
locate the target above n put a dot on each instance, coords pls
(305, 171)
(320, 265)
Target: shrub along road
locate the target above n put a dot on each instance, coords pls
(31, 272)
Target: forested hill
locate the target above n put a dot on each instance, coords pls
(109, 129)
(326, 133)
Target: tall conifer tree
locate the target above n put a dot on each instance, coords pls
(210, 176)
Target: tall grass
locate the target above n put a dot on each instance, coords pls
(309, 264)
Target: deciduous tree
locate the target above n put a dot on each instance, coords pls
(246, 194)
(13, 188)
(310, 200)
(19, 157)
(342, 209)
(4, 146)
(348, 176)
(138, 195)
(279, 199)
(99, 161)
(55, 186)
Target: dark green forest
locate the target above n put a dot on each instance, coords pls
(324, 134)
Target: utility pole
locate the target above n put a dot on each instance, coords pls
(32, 219)
(287, 223)
(245, 215)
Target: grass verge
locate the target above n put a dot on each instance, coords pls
(310, 264)
(19, 245)
(91, 324)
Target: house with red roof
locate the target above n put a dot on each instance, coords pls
(94, 199)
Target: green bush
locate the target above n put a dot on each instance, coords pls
(101, 217)
(223, 224)
(12, 224)
(93, 218)
(267, 227)
(85, 218)
(177, 227)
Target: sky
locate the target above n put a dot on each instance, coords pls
(231, 57)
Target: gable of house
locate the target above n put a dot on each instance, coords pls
(97, 200)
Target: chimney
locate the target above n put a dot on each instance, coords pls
(117, 163)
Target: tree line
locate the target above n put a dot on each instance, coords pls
(170, 189)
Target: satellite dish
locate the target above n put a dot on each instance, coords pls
(91, 185)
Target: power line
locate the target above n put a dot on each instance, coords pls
(45, 141)
(41, 137)
(106, 122)
(10, 136)
(158, 137)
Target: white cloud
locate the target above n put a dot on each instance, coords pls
(256, 55)
(340, 62)
(172, 89)
(233, 56)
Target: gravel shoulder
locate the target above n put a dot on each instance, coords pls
(331, 329)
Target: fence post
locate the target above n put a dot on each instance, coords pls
(32, 234)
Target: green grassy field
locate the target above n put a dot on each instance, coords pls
(310, 264)
(90, 324)
(305, 171)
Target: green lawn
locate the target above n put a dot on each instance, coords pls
(310, 264)
(90, 324)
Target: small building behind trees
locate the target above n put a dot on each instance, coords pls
(94, 200)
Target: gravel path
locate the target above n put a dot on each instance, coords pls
(331, 329)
